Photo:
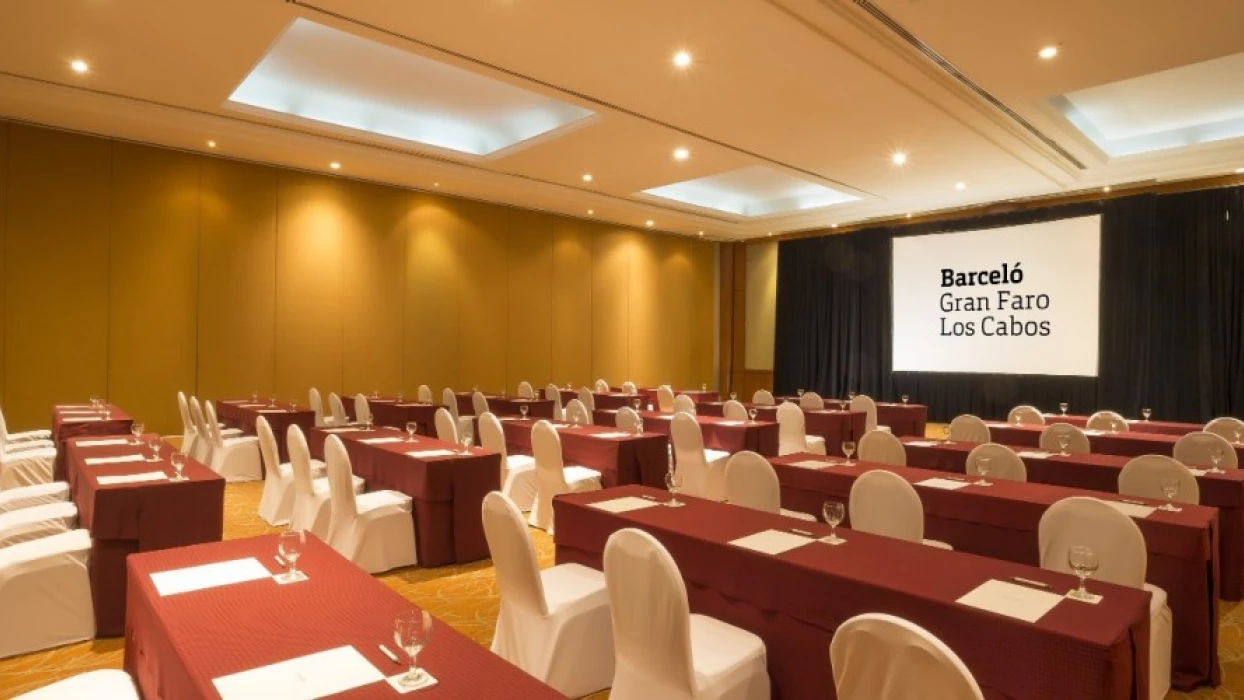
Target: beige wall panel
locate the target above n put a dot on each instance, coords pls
(647, 359)
(431, 335)
(761, 304)
(572, 302)
(153, 282)
(4, 219)
(237, 280)
(529, 260)
(611, 271)
(311, 216)
(56, 272)
(482, 328)
(678, 300)
(704, 329)
(374, 243)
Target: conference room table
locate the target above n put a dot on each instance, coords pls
(621, 457)
(903, 419)
(177, 645)
(71, 421)
(130, 505)
(719, 434)
(1159, 427)
(1125, 444)
(835, 426)
(503, 405)
(613, 400)
(243, 414)
(795, 599)
(1100, 472)
(389, 412)
(1002, 521)
(446, 485)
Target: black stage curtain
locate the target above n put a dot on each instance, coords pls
(1171, 322)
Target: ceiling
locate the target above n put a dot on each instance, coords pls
(812, 93)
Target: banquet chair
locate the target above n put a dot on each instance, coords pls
(104, 684)
(552, 393)
(1143, 476)
(375, 530)
(45, 594)
(665, 399)
(446, 426)
(39, 438)
(627, 419)
(866, 405)
(462, 423)
(882, 448)
(875, 656)
(1003, 462)
(1025, 415)
(763, 398)
(310, 509)
(883, 503)
(276, 504)
(27, 467)
(751, 482)
(1108, 421)
(664, 652)
(968, 428)
(317, 405)
(1081, 520)
(189, 433)
(684, 404)
(1078, 441)
(703, 471)
(36, 495)
(601, 386)
(362, 409)
(1199, 449)
(1226, 427)
(525, 391)
(236, 459)
(338, 408)
(424, 393)
(734, 410)
(553, 623)
(553, 477)
(629, 388)
(576, 412)
(587, 399)
(518, 472)
(793, 436)
(37, 522)
(479, 403)
(812, 401)
(203, 445)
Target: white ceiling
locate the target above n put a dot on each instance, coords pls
(821, 91)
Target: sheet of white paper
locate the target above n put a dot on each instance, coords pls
(1011, 599)
(731, 422)
(342, 430)
(430, 453)
(1034, 454)
(999, 424)
(1132, 510)
(114, 460)
(132, 478)
(254, 405)
(812, 464)
(1094, 432)
(71, 406)
(1198, 472)
(273, 410)
(195, 578)
(923, 443)
(102, 443)
(83, 412)
(382, 440)
(771, 541)
(82, 419)
(621, 505)
(946, 484)
(612, 436)
(305, 678)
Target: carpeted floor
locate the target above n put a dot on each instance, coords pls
(466, 597)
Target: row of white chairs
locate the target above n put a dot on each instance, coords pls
(1227, 427)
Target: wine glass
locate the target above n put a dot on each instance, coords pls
(851, 395)
(673, 482)
(799, 392)
(1063, 407)
(574, 418)
(474, 388)
(1083, 561)
(178, 460)
(1215, 458)
(982, 469)
(639, 426)
(254, 396)
(833, 512)
(703, 388)
(1018, 420)
(905, 398)
(1064, 441)
(293, 404)
(411, 428)
(1170, 489)
(289, 545)
(95, 400)
(412, 631)
(848, 449)
(467, 439)
(734, 396)
(751, 413)
(137, 430)
(523, 410)
(1146, 412)
(375, 393)
(946, 433)
(1239, 436)
(635, 403)
(155, 444)
(368, 424)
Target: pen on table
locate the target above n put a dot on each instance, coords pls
(1128, 500)
(805, 533)
(646, 496)
(392, 657)
(1030, 582)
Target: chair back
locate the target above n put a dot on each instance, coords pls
(968, 428)
(601, 386)
(752, 482)
(576, 409)
(546, 447)
(792, 435)
(1199, 449)
(1081, 520)
(479, 403)
(317, 405)
(883, 503)
(629, 388)
(1143, 476)
(202, 449)
(763, 397)
(866, 405)
(586, 398)
(268, 451)
(450, 400)
(446, 426)
(883, 448)
(513, 555)
(875, 656)
(342, 507)
(300, 460)
(187, 424)
(424, 394)
(665, 399)
(734, 410)
(689, 454)
(684, 404)
(1078, 442)
(362, 409)
(812, 401)
(1003, 462)
(338, 408)
(651, 617)
(552, 393)
(627, 419)
(213, 424)
(1108, 421)
(4, 428)
(492, 435)
(1226, 427)
(525, 391)
(1025, 415)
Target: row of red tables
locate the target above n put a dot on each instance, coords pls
(279, 414)
(1132, 443)
(1160, 427)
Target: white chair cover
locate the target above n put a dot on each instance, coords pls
(188, 430)
(446, 426)
(424, 393)
(338, 409)
(525, 391)
(734, 410)
(201, 450)
(553, 476)
(553, 623)
(627, 419)
(1198, 449)
(576, 409)
(317, 405)
(663, 651)
(376, 531)
(586, 398)
(1079, 442)
(751, 482)
(629, 388)
(310, 489)
(45, 594)
(601, 387)
(968, 428)
(36, 522)
(665, 399)
(518, 472)
(1108, 421)
(27, 467)
(236, 459)
(1143, 476)
(479, 403)
(25, 439)
(450, 400)
(552, 393)
(106, 684)
(36, 495)
(362, 409)
(1025, 415)
(703, 471)
(276, 504)
(792, 435)
(1226, 427)
(866, 405)
(883, 503)
(882, 448)
(811, 401)
(881, 657)
(1003, 462)
(763, 397)
(684, 404)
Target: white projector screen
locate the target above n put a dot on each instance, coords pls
(1015, 300)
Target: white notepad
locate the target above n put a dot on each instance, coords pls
(1094, 432)
(1011, 599)
(731, 422)
(1132, 510)
(1198, 472)
(83, 412)
(342, 430)
(195, 578)
(273, 410)
(132, 478)
(923, 443)
(945, 484)
(307, 677)
(1000, 424)
(103, 443)
(253, 405)
(622, 505)
(82, 419)
(611, 435)
(114, 460)
(812, 464)
(430, 453)
(382, 440)
(1034, 454)
(772, 541)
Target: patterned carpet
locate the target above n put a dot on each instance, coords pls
(466, 597)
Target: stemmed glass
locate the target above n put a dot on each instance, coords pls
(733, 396)
(946, 433)
(137, 430)
(851, 395)
(982, 469)
(1083, 561)
(1170, 489)
(289, 545)
(639, 426)
(1063, 407)
(400, 399)
(411, 428)
(412, 631)
(1018, 420)
(799, 392)
(523, 410)
(254, 396)
(1215, 458)
(155, 444)
(95, 401)
(178, 460)
(1146, 412)
(751, 413)
(673, 482)
(703, 388)
(104, 411)
(1239, 436)
(905, 398)
(467, 439)
(635, 403)
(833, 512)
(848, 449)
(1064, 441)
(574, 419)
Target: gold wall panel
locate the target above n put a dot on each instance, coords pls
(571, 311)
(431, 333)
(611, 268)
(482, 230)
(529, 271)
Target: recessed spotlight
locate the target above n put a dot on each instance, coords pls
(833, 225)
(1048, 52)
(681, 153)
(650, 222)
(587, 177)
(1106, 188)
(961, 186)
(682, 59)
(1239, 171)
(335, 165)
(909, 215)
(211, 144)
(77, 65)
(436, 184)
(898, 158)
(770, 234)
(701, 233)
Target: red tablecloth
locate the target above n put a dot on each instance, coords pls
(137, 517)
(447, 491)
(796, 600)
(1100, 472)
(611, 401)
(76, 421)
(176, 645)
(1130, 444)
(397, 415)
(1001, 521)
(903, 420)
(719, 434)
(243, 414)
(1160, 427)
(835, 425)
(633, 459)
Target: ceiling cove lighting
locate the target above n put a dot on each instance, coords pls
(326, 76)
(79, 66)
(1048, 52)
(898, 158)
(682, 59)
(681, 153)
(756, 190)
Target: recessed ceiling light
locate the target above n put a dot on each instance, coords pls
(1048, 52)
(436, 184)
(335, 165)
(1106, 188)
(961, 186)
(909, 215)
(79, 66)
(898, 158)
(650, 222)
(770, 234)
(833, 225)
(681, 153)
(1239, 171)
(701, 233)
(591, 212)
(587, 177)
(682, 59)
(211, 144)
